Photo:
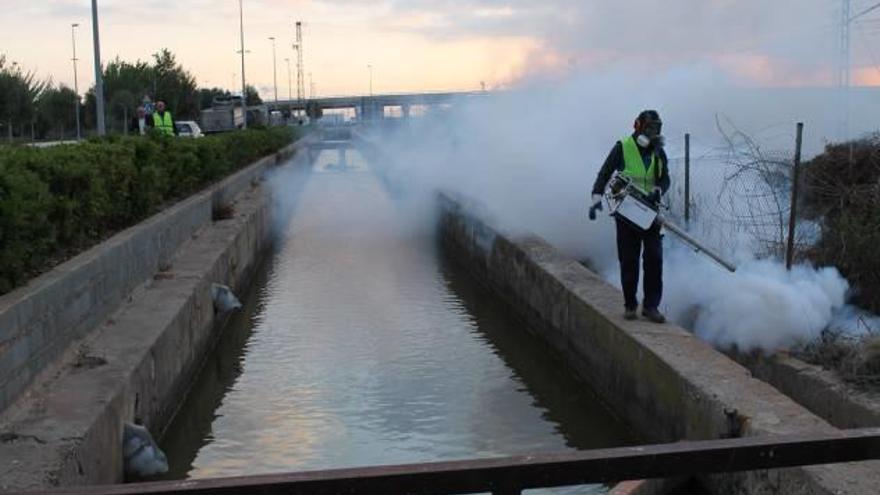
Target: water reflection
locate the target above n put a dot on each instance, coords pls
(359, 347)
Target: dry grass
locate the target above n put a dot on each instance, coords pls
(855, 359)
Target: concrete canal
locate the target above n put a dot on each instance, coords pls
(361, 344)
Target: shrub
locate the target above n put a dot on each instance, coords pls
(26, 233)
(843, 191)
(58, 200)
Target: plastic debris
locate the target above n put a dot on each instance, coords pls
(224, 298)
(142, 457)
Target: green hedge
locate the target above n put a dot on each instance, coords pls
(59, 200)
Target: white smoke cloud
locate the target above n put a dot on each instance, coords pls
(530, 156)
(761, 305)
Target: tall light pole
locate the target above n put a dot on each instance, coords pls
(311, 87)
(370, 100)
(75, 79)
(99, 76)
(156, 77)
(300, 82)
(289, 83)
(845, 69)
(274, 69)
(243, 83)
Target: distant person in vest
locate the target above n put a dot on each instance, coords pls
(163, 121)
(640, 157)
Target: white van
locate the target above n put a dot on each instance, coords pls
(188, 128)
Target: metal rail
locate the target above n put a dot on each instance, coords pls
(511, 475)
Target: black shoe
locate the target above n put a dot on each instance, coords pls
(630, 314)
(654, 315)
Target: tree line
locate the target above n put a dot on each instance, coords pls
(36, 109)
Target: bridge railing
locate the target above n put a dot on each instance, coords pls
(511, 475)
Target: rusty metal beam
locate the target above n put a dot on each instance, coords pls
(513, 474)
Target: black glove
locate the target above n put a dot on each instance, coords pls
(655, 196)
(597, 206)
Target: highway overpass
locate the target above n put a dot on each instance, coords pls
(370, 107)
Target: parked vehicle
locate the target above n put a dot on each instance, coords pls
(258, 115)
(188, 128)
(224, 115)
(276, 118)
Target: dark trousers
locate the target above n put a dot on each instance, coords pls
(629, 249)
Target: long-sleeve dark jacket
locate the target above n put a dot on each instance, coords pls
(134, 126)
(615, 162)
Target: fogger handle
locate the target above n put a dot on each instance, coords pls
(695, 244)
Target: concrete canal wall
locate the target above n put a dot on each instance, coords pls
(116, 334)
(842, 404)
(662, 380)
(39, 320)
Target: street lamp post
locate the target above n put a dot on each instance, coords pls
(369, 113)
(75, 79)
(243, 83)
(845, 69)
(156, 77)
(274, 69)
(289, 83)
(289, 90)
(99, 76)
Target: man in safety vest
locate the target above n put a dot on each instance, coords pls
(640, 157)
(163, 121)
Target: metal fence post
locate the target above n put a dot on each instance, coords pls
(795, 185)
(687, 178)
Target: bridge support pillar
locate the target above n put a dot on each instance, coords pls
(377, 111)
(405, 109)
(341, 157)
(366, 111)
(371, 110)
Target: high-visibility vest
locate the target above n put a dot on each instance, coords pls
(163, 123)
(634, 166)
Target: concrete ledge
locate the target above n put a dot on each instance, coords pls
(39, 320)
(662, 380)
(136, 365)
(819, 390)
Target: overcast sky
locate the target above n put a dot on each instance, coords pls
(449, 44)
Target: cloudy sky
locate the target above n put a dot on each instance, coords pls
(450, 44)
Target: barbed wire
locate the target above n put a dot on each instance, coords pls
(740, 195)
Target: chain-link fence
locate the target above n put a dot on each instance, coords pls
(739, 196)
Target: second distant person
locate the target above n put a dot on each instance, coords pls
(163, 121)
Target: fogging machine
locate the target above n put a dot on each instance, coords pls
(627, 201)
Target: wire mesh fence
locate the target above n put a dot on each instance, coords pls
(739, 196)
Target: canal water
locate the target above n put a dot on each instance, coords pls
(360, 344)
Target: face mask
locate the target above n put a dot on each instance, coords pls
(650, 134)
